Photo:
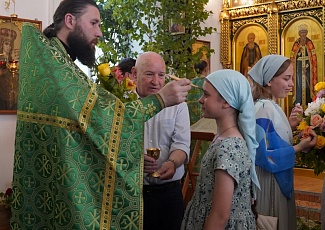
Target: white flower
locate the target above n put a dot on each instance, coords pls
(314, 107)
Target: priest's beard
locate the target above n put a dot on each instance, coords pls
(81, 47)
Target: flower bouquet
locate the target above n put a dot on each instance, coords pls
(5, 198)
(113, 81)
(314, 119)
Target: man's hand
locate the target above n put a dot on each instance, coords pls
(167, 170)
(150, 164)
(175, 92)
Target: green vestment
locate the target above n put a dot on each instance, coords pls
(79, 150)
(192, 100)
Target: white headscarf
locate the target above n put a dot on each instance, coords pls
(235, 89)
(265, 69)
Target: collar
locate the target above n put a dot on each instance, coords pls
(137, 93)
(69, 51)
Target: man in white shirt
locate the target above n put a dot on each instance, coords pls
(169, 130)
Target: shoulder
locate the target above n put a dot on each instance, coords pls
(264, 104)
(230, 143)
(175, 109)
(231, 149)
(264, 108)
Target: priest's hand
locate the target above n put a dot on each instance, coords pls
(175, 92)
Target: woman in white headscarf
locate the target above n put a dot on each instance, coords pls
(222, 197)
(275, 157)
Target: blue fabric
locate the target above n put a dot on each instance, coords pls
(275, 155)
(235, 89)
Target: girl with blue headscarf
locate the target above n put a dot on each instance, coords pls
(275, 157)
(222, 197)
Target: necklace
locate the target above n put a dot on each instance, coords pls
(217, 136)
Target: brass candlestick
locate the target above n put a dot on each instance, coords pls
(154, 153)
(13, 66)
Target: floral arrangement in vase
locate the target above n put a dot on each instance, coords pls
(113, 80)
(314, 119)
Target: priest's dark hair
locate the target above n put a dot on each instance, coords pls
(74, 7)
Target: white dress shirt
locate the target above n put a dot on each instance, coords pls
(168, 130)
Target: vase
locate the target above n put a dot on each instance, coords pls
(4, 217)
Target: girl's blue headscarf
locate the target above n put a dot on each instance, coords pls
(235, 89)
(265, 69)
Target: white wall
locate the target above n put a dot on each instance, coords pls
(214, 38)
(43, 10)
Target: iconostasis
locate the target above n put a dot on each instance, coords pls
(290, 28)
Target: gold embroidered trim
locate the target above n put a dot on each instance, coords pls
(161, 101)
(45, 119)
(87, 108)
(111, 158)
(141, 189)
(141, 173)
(67, 59)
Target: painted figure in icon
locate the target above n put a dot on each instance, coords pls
(251, 54)
(8, 80)
(304, 60)
(7, 39)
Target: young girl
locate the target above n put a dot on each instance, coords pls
(271, 80)
(222, 197)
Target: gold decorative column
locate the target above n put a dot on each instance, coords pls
(225, 44)
(272, 20)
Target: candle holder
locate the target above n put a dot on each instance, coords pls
(13, 66)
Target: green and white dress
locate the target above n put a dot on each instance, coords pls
(230, 154)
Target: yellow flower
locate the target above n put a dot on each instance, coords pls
(296, 139)
(302, 125)
(323, 107)
(319, 86)
(320, 142)
(104, 69)
(129, 84)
